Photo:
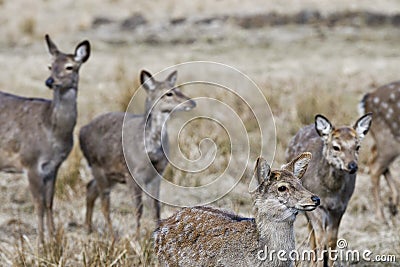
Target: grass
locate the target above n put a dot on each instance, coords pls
(299, 78)
(28, 26)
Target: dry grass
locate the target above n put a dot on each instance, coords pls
(301, 70)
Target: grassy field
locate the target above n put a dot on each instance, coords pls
(302, 68)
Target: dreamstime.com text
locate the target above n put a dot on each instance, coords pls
(340, 254)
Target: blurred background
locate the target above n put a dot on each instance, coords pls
(307, 57)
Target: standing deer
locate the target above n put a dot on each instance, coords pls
(331, 173)
(36, 135)
(204, 236)
(145, 146)
(384, 103)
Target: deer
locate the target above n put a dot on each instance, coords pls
(385, 132)
(144, 149)
(207, 236)
(36, 135)
(331, 174)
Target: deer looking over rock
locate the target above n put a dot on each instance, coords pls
(205, 236)
(331, 173)
(36, 135)
(384, 103)
(145, 147)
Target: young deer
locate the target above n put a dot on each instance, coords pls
(145, 147)
(331, 174)
(204, 236)
(36, 134)
(385, 130)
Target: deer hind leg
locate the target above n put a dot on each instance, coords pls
(104, 186)
(92, 193)
(394, 200)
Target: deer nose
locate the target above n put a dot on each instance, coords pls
(353, 167)
(49, 82)
(316, 200)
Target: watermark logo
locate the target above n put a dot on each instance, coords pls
(341, 254)
(210, 147)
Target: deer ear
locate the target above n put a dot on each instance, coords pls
(323, 126)
(52, 47)
(82, 51)
(363, 124)
(147, 80)
(298, 165)
(172, 78)
(263, 170)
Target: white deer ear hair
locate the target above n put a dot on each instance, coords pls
(362, 125)
(82, 51)
(323, 126)
(298, 166)
(147, 80)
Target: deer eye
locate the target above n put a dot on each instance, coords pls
(49, 67)
(336, 148)
(282, 188)
(68, 67)
(169, 94)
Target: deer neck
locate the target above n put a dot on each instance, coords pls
(63, 112)
(332, 177)
(275, 228)
(155, 131)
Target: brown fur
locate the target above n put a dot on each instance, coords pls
(331, 174)
(385, 130)
(205, 236)
(101, 143)
(36, 135)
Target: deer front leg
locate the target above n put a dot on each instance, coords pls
(154, 190)
(318, 224)
(36, 187)
(49, 183)
(137, 202)
(332, 240)
(376, 170)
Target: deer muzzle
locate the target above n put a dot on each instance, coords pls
(352, 167)
(49, 82)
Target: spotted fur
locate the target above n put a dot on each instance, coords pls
(384, 103)
(205, 236)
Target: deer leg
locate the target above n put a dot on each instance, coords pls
(394, 201)
(318, 236)
(36, 187)
(376, 171)
(49, 196)
(137, 202)
(92, 194)
(105, 208)
(104, 190)
(154, 190)
(312, 242)
(333, 230)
